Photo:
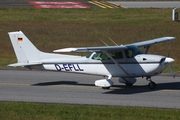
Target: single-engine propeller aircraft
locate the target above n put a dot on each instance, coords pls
(125, 61)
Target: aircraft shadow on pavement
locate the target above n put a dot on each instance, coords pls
(141, 89)
(61, 83)
(119, 89)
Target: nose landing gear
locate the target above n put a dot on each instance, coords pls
(151, 85)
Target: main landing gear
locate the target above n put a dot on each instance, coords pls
(104, 83)
(151, 85)
(106, 88)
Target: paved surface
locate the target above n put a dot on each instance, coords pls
(151, 4)
(92, 4)
(57, 87)
(25, 4)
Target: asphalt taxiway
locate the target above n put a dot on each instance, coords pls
(91, 4)
(58, 87)
(147, 4)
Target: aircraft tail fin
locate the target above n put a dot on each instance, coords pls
(25, 51)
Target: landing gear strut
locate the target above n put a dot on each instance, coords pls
(151, 85)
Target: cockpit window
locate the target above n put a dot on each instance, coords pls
(132, 51)
(103, 56)
(99, 56)
(117, 55)
(89, 55)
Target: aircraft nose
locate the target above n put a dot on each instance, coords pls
(169, 60)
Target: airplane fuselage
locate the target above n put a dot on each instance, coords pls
(140, 65)
(124, 61)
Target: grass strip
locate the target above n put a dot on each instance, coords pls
(35, 111)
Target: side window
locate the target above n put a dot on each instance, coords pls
(132, 51)
(103, 56)
(129, 53)
(89, 55)
(96, 56)
(117, 55)
(99, 56)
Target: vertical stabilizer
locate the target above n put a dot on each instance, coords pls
(25, 51)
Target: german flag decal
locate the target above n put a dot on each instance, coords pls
(20, 39)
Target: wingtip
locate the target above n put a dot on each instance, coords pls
(19, 31)
(170, 38)
(66, 50)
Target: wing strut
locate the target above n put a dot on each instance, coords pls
(115, 62)
(147, 49)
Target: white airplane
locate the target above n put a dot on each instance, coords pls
(126, 61)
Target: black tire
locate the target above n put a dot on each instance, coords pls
(129, 84)
(152, 85)
(105, 88)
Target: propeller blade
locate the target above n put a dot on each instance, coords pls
(168, 61)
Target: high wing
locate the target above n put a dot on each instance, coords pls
(154, 41)
(91, 49)
(115, 48)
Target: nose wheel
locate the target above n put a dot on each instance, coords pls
(151, 85)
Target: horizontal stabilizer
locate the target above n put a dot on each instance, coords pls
(23, 64)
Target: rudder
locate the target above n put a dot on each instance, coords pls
(25, 51)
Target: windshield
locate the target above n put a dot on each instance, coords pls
(133, 51)
(103, 56)
(130, 52)
(89, 55)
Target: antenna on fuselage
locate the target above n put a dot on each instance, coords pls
(114, 42)
(104, 42)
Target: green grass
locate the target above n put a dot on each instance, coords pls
(34, 111)
(51, 29)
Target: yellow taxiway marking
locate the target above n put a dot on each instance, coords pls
(100, 3)
(15, 84)
(110, 4)
(166, 90)
(104, 4)
(96, 4)
(124, 7)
